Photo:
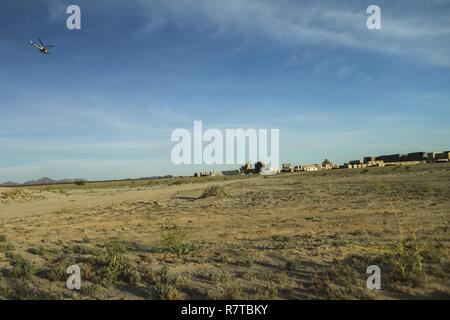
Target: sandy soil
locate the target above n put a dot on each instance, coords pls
(293, 236)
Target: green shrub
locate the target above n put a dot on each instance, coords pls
(112, 266)
(22, 268)
(39, 251)
(58, 269)
(175, 242)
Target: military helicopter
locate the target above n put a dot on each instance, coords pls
(42, 47)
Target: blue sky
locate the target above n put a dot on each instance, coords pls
(103, 104)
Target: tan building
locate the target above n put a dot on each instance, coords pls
(327, 165)
(375, 163)
(287, 167)
(312, 167)
(211, 174)
(403, 163)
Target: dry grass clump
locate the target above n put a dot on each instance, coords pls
(165, 286)
(411, 259)
(214, 191)
(403, 264)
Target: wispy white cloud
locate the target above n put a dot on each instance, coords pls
(416, 34)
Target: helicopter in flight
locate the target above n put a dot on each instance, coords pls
(41, 47)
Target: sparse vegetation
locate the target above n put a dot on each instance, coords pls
(57, 271)
(112, 266)
(38, 250)
(21, 267)
(174, 241)
(214, 191)
(164, 286)
(292, 236)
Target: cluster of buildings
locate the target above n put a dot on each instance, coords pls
(400, 159)
(413, 158)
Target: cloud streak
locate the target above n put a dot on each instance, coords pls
(408, 30)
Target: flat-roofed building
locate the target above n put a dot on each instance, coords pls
(375, 163)
(431, 156)
(210, 174)
(416, 156)
(327, 165)
(390, 158)
(369, 159)
(287, 167)
(311, 167)
(269, 171)
(230, 172)
(443, 156)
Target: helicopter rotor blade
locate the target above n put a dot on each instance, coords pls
(41, 42)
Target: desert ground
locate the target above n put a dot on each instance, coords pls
(307, 235)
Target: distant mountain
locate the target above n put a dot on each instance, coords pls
(46, 180)
(9, 184)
